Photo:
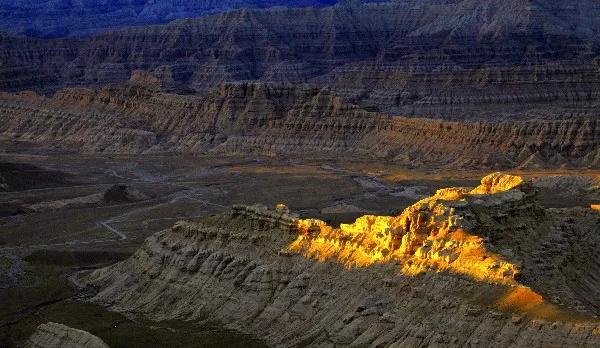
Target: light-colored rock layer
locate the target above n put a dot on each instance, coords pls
(248, 272)
(53, 335)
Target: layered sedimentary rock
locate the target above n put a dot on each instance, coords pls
(465, 267)
(537, 90)
(459, 59)
(280, 218)
(284, 119)
(53, 335)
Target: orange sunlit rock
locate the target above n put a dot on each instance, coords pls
(522, 299)
(497, 182)
(432, 234)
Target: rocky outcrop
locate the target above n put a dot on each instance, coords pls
(460, 268)
(53, 335)
(263, 217)
(122, 194)
(444, 232)
(470, 59)
(284, 119)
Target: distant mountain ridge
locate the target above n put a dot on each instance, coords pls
(60, 18)
(432, 58)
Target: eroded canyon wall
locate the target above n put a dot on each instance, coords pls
(285, 120)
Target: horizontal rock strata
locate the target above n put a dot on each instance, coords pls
(283, 119)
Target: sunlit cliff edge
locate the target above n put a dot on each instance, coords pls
(434, 233)
(444, 232)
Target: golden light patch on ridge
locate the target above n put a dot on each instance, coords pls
(429, 235)
(523, 300)
(497, 182)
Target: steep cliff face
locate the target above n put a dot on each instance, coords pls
(428, 277)
(281, 119)
(53, 335)
(475, 59)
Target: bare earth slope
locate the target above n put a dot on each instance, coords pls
(283, 119)
(482, 267)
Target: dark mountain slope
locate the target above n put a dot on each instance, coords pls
(408, 57)
(47, 18)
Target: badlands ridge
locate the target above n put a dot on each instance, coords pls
(266, 119)
(486, 266)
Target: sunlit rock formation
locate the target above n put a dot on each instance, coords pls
(53, 335)
(465, 267)
(445, 232)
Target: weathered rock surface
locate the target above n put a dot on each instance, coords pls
(357, 285)
(284, 119)
(434, 233)
(53, 335)
(460, 59)
(559, 191)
